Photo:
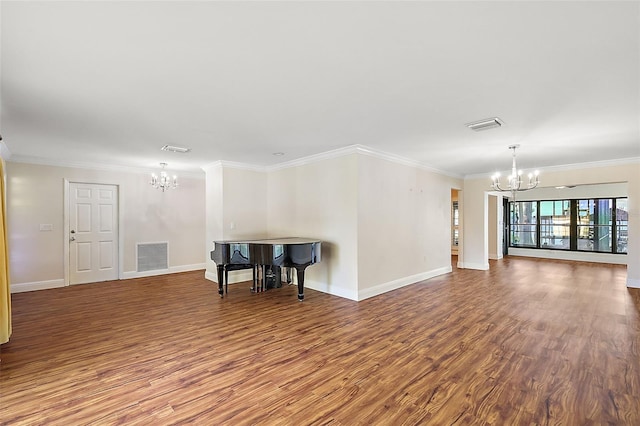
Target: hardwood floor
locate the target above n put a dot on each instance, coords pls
(527, 342)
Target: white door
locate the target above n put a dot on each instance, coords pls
(93, 233)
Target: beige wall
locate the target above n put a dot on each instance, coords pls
(404, 224)
(35, 195)
(319, 200)
(383, 224)
(494, 232)
(236, 201)
(476, 208)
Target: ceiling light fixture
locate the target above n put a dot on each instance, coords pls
(163, 181)
(179, 149)
(514, 180)
(487, 123)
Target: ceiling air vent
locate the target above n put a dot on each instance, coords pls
(175, 149)
(487, 123)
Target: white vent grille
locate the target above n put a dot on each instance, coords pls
(152, 256)
(171, 148)
(488, 123)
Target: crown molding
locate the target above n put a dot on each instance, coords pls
(328, 155)
(365, 150)
(234, 165)
(96, 166)
(573, 166)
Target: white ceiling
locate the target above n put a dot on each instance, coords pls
(112, 82)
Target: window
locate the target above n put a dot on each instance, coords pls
(621, 225)
(593, 225)
(456, 218)
(523, 224)
(555, 224)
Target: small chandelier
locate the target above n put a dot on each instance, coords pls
(514, 180)
(163, 181)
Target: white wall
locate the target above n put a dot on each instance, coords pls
(495, 226)
(35, 195)
(404, 225)
(319, 200)
(236, 201)
(383, 225)
(476, 224)
(213, 214)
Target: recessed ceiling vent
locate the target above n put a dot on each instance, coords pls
(179, 149)
(487, 123)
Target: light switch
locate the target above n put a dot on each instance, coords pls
(46, 227)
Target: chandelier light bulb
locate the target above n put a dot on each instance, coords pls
(163, 182)
(514, 180)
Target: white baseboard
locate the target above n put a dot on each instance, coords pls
(36, 285)
(211, 276)
(333, 290)
(44, 285)
(234, 276)
(347, 293)
(171, 270)
(401, 282)
(478, 266)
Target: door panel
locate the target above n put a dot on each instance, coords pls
(93, 233)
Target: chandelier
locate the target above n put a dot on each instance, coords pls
(514, 180)
(163, 181)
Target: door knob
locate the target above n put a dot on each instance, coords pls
(72, 239)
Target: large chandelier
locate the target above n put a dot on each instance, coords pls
(514, 180)
(163, 181)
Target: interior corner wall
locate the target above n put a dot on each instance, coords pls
(404, 225)
(475, 239)
(383, 225)
(35, 195)
(213, 215)
(236, 201)
(319, 200)
(244, 206)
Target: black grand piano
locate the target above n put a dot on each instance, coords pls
(298, 253)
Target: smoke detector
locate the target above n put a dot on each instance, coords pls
(487, 123)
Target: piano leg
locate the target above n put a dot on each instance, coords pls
(220, 280)
(300, 271)
(254, 284)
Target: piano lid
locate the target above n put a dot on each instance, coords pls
(279, 241)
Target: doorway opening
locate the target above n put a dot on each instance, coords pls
(455, 227)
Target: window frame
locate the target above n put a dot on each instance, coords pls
(574, 225)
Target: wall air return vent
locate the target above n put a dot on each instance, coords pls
(152, 256)
(180, 149)
(487, 123)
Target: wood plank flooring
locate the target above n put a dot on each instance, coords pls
(527, 342)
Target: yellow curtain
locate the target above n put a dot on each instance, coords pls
(5, 295)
